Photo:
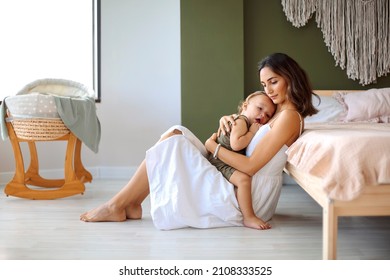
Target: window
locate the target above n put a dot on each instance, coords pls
(48, 39)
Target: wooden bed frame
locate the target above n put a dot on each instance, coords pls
(374, 201)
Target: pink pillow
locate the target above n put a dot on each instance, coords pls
(371, 105)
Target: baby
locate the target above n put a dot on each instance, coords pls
(256, 110)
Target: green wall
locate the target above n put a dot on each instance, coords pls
(221, 44)
(212, 59)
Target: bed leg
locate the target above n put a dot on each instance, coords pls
(329, 232)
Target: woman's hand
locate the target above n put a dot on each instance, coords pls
(211, 142)
(224, 126)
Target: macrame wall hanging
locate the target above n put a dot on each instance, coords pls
(356, 32)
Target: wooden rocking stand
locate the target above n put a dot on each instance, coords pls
(75, 173)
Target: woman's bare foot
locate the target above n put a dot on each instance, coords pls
(134, 212)
(104, 213)
(256, 223)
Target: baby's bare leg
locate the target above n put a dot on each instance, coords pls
(243, 182)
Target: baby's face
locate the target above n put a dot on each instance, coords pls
(260, 109)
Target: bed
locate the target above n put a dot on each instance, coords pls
(342, 160)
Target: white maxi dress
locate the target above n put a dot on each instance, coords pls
(186, 190)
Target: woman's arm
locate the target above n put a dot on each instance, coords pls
(285, 131)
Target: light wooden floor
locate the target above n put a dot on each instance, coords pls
(51, 230)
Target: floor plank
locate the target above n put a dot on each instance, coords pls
(51, 230)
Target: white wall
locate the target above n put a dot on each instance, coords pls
(140, 86)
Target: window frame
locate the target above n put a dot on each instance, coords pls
(96, 6)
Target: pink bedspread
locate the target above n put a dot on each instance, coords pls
(347, 156)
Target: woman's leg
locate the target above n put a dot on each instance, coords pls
(126, 204)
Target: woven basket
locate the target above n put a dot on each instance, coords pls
(39, 129)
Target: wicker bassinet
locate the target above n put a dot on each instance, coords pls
(39, 129)
(32, 116)
(32, 111)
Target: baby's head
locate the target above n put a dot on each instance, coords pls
(257, 107)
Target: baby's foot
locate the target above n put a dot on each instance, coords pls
(256, 223)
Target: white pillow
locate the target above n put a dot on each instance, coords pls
(330, 110)
(371, 105)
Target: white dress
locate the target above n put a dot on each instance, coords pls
(186, 190)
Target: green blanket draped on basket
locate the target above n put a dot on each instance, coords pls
(75, 105)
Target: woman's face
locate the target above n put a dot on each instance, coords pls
(275, 86)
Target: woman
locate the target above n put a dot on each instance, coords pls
(187, 191)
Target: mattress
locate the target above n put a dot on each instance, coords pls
(346, 156)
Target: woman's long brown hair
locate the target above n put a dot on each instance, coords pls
(300, 92)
